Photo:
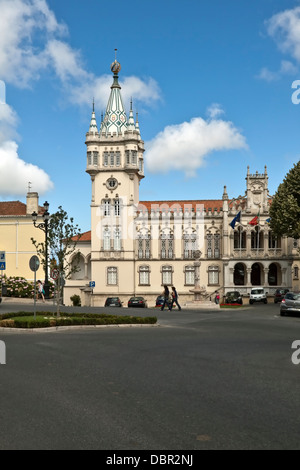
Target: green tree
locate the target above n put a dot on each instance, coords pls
(285, 207)
(63, 236)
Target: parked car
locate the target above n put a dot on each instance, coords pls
(258, 294)
(290, 303)
(159, 301)
(113, 302)
(234, 297)
(137, 302)
(279, 295)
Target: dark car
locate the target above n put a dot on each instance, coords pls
(137, 302)
(159, 301)
(280, 294)
(113, 302)
(290, 303)
(233, 297)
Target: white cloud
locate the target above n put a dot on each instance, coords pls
(15, 173)
(214, 110)
(284, 28)
(65, 60)
(185, 146)
(140, 91)
(286, 68)
(21, 56)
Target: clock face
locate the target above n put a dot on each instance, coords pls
(111, 183)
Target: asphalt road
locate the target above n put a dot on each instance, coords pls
(199, 380)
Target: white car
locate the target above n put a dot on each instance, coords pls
(258, 294)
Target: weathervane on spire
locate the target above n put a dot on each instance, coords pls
(115, 66)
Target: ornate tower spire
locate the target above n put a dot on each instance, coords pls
(115, 119)
(93, 125)
(130, 124)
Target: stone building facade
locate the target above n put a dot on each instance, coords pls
(135, 247)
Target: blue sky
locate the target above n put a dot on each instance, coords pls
(211, 81)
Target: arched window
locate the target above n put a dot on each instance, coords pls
(143, 245)
(257, 241)
(117, 206)
(256, 275)
(239, 238)
(167, 250)
(274, 241)
(112, 276)
(213, 275)
(189, 245)
(79, 273)
(144, 276)
(272, 275)
(106, 207)
(189, 275)
(213, 245)
(239, 274)
(106, 239)
(166, 275)
(117, 239)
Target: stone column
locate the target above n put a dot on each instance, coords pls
(248, 243)
(249, 276)
(266, 271)
(283, 273)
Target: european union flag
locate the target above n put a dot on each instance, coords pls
(236, 219)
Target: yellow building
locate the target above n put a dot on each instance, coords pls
(16, 230)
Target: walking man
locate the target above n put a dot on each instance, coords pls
(175, 298)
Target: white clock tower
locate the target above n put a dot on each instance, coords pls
(116, 166)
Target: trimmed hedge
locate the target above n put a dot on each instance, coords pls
(15, 320)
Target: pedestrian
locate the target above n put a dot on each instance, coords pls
(217, 298)
(41, 290)
(175, 298)
(166, 295)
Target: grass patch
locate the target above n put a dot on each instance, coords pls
(231, 306)
(47, 319)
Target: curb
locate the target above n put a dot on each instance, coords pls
(74, 327)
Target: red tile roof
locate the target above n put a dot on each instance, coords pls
(15, 208)
(12, 208)
(85, 237)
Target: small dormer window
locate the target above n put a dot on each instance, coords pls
(89, 158)
(105, 159)
(95, 158)
(112, 158)
(134, 157)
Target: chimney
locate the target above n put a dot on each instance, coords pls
(32, 203)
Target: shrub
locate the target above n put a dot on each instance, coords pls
(46, 319)
(18, 286)
(76, 300)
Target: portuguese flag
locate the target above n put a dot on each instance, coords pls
(255, 220)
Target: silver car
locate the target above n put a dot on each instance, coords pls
(290, 303)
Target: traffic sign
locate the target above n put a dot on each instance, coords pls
(34, 263)
(92, 283)
(54, 274)
(2, 266)
(2, 256)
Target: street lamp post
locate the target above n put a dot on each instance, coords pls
(44, 226)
